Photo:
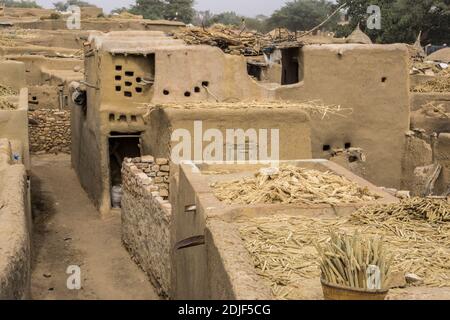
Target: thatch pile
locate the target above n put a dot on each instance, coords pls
(230, 40)
(283, 248)
(292, 185)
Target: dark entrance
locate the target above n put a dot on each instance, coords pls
(290, 66)
(121, 146)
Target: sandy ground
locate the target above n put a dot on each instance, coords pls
(68, 230)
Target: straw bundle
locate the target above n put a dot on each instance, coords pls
(408, 210)
(292, 185)
(344, 260)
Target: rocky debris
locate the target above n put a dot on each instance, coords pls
(401, 194)
(152, 174)
(412, 278)
(49, 131)
(397, 280)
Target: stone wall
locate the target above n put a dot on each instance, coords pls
(157, 170)
(146, 218)
(49, 131)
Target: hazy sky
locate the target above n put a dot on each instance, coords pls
(244, 7)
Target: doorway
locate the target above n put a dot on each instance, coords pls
(121, 146)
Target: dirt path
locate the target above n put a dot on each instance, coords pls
(69, 231)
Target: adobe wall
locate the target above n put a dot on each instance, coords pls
(373, 81)
(146, 218)
(14, 126)
(85, 155)
(15, 228)
(48, 79)
(231, 274)
(293, 125)
(419, 99)
(12, 74)
(179, 76)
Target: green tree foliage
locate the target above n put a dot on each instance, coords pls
(301, 14)
(402, 20)
(180, 10)
(20, 4)
(64, 5)
(231, 18)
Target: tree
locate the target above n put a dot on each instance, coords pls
(203, 18)
(119, 10)
(64, 5)
(301, 14)
(228, 18)
(20, 4)
(181, 10)
(150, 9)
(402, 20)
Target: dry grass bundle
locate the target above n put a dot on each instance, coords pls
(441, 83)
(292, 185)
(283, 247)
(345, 260)
(408, 210)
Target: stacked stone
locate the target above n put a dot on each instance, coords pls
(49, 131)
(146, 219)
(153, 173)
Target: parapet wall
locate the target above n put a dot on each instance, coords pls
(15, 224)
(146, 218)
(50, 131)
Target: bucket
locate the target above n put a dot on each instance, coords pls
(116, 196)
(337, 292)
